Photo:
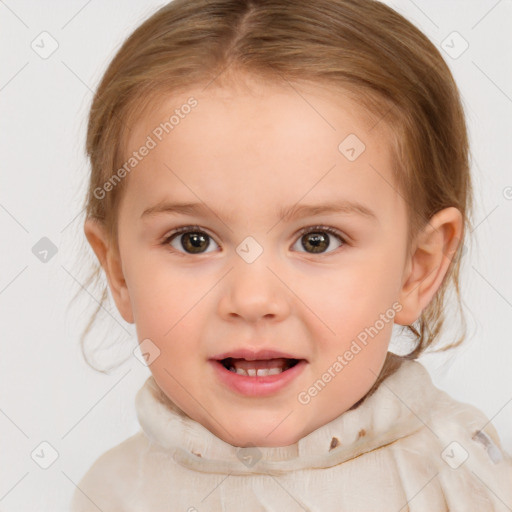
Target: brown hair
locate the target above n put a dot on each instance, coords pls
(361, 47)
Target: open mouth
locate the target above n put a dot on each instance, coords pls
(260, 373)
(258, 368)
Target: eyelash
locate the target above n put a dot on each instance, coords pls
(301, 233)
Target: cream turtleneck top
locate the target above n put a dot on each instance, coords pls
(407, 447)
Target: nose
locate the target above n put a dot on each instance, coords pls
(253, 291)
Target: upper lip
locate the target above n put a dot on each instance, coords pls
(252, 355)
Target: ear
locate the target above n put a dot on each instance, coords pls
(426, 268)
(110, 261)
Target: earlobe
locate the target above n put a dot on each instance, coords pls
(425, 270)
(111, 264)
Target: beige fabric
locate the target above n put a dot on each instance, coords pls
(397, 451)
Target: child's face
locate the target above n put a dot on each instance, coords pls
(244, 157)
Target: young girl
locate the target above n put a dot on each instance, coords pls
(274, 186)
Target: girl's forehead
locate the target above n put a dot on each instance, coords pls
(256, 107)
(278, 146)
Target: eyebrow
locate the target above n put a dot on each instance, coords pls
(285, 213)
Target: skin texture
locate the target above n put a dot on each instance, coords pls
(245, 152)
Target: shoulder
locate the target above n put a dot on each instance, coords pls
(109, 481)
(472, 454)
(459, 448)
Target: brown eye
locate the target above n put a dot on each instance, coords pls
(316, 240)
(194, 242)
(189, 240)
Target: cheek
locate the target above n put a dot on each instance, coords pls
(352, 309)
(166, 305)
(353, 293)
(160, 298)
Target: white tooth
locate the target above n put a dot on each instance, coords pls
(268, 371)
(253, 372)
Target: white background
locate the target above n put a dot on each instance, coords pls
(48, 392)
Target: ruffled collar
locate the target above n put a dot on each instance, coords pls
(397, 408)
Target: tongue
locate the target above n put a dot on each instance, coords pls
(280, 363)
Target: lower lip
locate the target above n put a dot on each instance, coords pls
(257, 386)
